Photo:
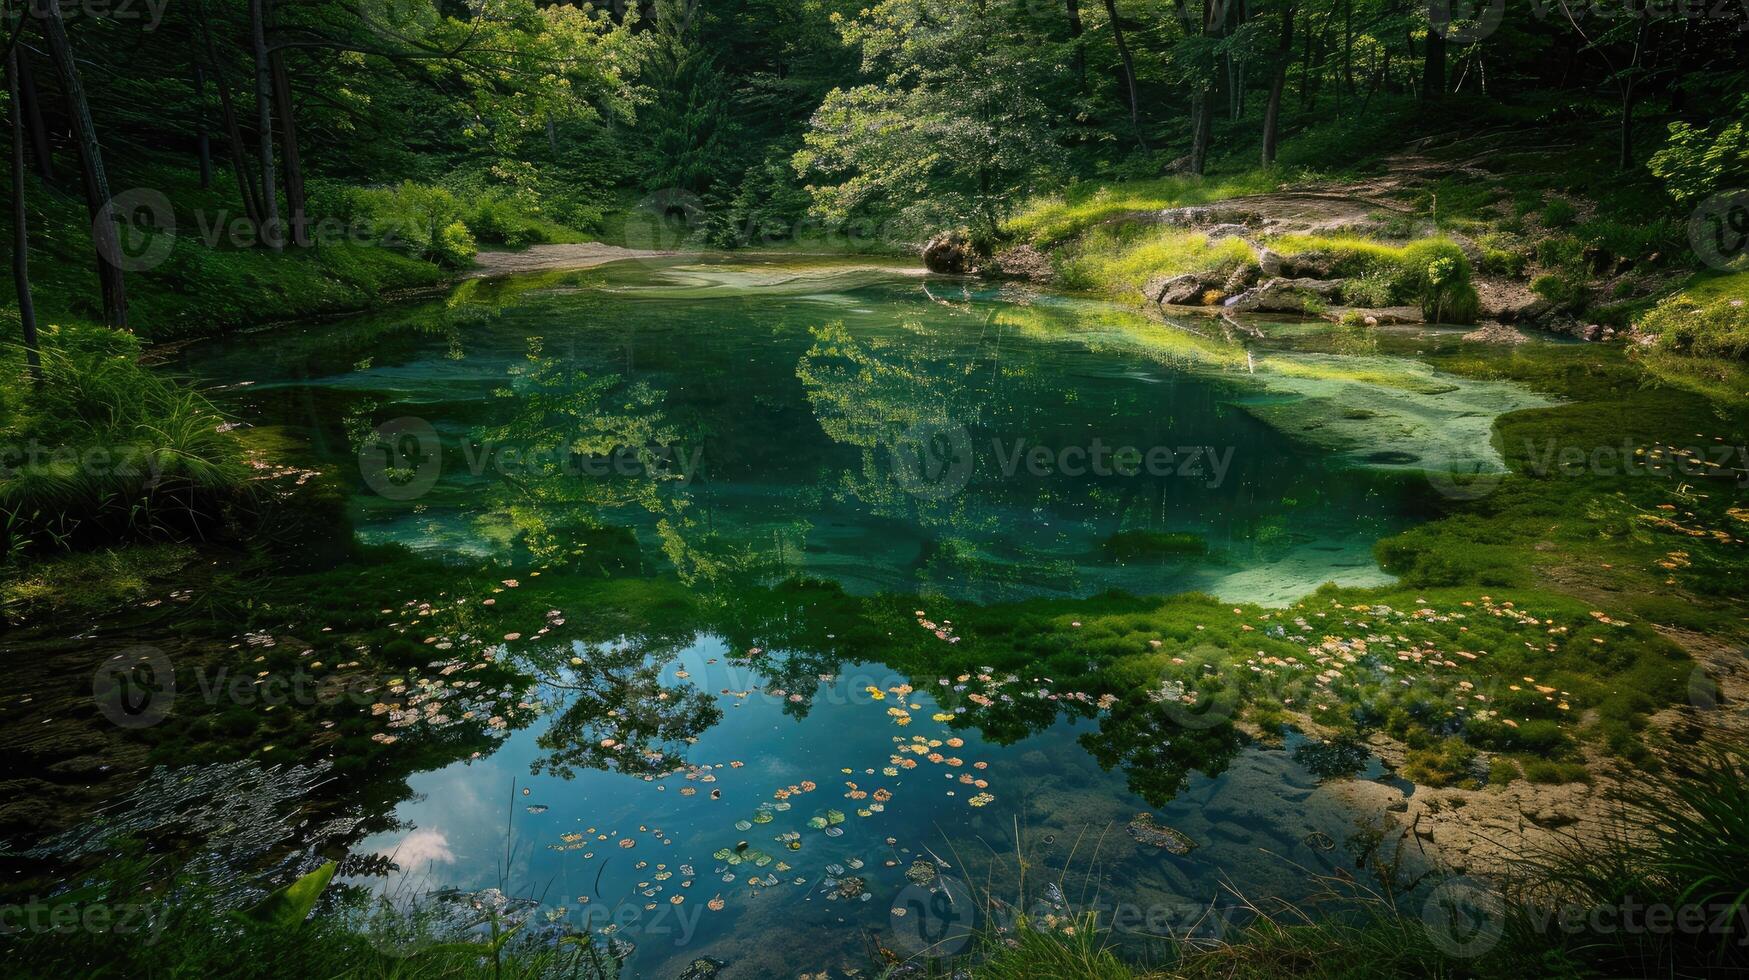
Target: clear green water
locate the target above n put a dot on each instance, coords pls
(726, 426)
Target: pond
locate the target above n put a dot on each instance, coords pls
(701, 525)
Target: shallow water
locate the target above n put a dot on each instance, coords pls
(727, 425)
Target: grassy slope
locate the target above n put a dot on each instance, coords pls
(200, 290)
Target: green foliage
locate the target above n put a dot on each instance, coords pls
(1502, 771)
(1077, 950)
(1450, 762)
(424, 220)
(1431, 273)
(104, 449)
(1708, 319)
(288, 907)
(1698, 161)
(1054, 218)
(955, 133)
(1558, 212)
(1121, 261)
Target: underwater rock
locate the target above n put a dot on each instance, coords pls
(703, 968)
(1150, 834)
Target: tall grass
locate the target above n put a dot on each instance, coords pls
(1048, 220)
(104, 449)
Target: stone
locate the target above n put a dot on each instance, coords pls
(1150, 834)
(1270, 262)
(1309, 265)
(950, 253)
(1182, 290)
(1243, 277)
(1204, 217)
(1285, 295)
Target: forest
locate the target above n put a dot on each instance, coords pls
(1208, 488)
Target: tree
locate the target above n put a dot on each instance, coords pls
(953, 135)
(1278, 83)
(47, 14)
(20, 224)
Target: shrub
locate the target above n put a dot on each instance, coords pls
(1449, 762)
(1559, 213)
(1431, 273)
(1502, 771)
(419, 218)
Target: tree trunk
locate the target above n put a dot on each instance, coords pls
(233, 132)
(1129, 71)
(1278, 84)
(1626, 159)
(20, 225)
(47, 14)
(264, 124)
(288, 144)
(40, 150)
(1433, 66)
(1203, 107)
(203, 142)
(1079, 58)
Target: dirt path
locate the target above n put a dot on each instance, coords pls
(548, 258)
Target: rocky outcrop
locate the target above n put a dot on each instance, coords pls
(1182, 290)
(1286, 296)
(1208, 217)
(950, 253)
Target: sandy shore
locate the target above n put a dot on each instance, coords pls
(545, 258)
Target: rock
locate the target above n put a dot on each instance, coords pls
(1184, 290)
(1243, 278)
(1150, 834)
(1270, 262)
(1592, 332)
(1022, 262)
(1496, 333)
(1217, 232)
(1285, 295)
(703, 968)
(1309, 265)
(1203, 217)
(1552, 816)
(950, 253)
